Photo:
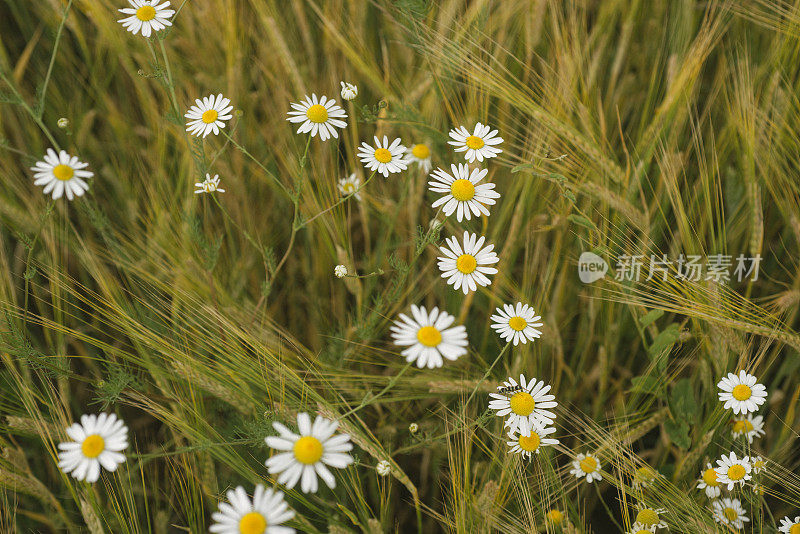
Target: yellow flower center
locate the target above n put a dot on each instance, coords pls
(63, 172)
(383, 155)
(588, 465)
(146, 13)
(93, 445)
(648, 517)
(759, 464)
(522, 403)
(730, 514)
(517, 323)
(466, 263)
(308, 450)
(794, 529)
(348, 187)
(252, 523)
(741, 392)
(740, 427)
(644, 531)
(474, 142)
(429, 336)
(209, 116)
(317, 113)
(710, 478)
(555, 516)
(530, 443)
(462, 190)
(736, 472)
(421, 151)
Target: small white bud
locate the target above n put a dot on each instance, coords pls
(413, 428)
(349, 91)
(63, 123)
(383, 468)
(340, 271)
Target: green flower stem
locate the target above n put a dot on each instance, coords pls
(244, 151)
(366, 402)
(341, 201)
(488, 371)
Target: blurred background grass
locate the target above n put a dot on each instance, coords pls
(641, 127)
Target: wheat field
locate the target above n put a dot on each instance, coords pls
(631, 128)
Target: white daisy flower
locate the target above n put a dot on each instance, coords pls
(749, 427)
(708, 482)
(429, 337)
(741, 393)
(208, 115)
(732, 470)
(146, 16)
(638, 528)
(309, 453)
(263, 515)
(478, 145)
(517, 324)
(349, 91)
(383, 468)
(61, 173)
(530, 443)
(729, 512)
(96, 442)
(319, 115)
(650, 517)
(466, 267)
(383, 157)
(759, 464)
(789, 526)
(525, 403)
(587, 465)
(209, 185)
(464, 195)
(421, 155)
(349, 186)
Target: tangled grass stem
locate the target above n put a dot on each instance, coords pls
(34, 115)
(260, 165)
(367, 401)
(244, 232)
(340, 202)
(48, 76)
(487, 373)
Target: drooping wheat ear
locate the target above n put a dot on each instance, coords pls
(93, 523)
(195, 377)
(371, 448)
(374, 527)
(694, 455)
(33, 487)
(27, 425)
(485, 503)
